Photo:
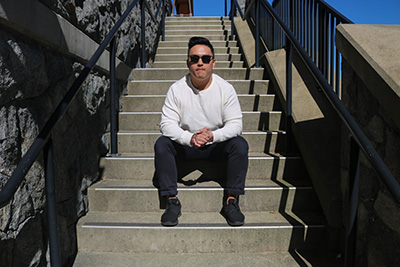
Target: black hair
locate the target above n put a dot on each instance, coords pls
(200, 41)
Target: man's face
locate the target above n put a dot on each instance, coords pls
(200, 71)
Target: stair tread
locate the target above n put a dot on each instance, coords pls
(252, 184)
(276, 259)
(252, 155)
(202, 219)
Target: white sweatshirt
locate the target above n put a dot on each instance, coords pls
(187, 110)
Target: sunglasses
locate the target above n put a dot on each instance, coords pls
(205, 58)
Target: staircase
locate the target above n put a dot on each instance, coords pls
(123, 226)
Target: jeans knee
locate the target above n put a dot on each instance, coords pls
(162, 145)
(239, 145)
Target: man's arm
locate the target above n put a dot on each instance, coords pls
(170, 120)
(232, 119)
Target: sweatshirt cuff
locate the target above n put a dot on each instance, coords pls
(185, 138)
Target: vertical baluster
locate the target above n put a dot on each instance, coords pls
(163, 20)
(143, 33)
(315, 32)
(113, 110)
(289, 49)
(51, 204)
(332, 61)
(338, 69)
(353, 203)
(257, 33)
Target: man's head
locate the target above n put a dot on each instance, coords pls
(200, 61)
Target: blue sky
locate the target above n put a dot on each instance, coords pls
(359, 11)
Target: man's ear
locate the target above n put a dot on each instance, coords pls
(187, 63)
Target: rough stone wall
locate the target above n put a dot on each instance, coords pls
(378, 228)
(33, 80)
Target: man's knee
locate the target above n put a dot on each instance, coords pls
(162, 144)
(239, 145)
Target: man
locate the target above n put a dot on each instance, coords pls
(201, 119)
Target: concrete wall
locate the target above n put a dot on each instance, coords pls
(43, 47)
(371, 92)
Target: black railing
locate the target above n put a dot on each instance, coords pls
(44, 141)
(312, 34)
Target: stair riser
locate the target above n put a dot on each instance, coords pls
(185, 44)
(133, 122)
(183, 57)
(144, 143)
(259, 168)
(175, 74)
(218, 64)
(195, 19)
(161, 87)
(174, 240)
(185, 38)
(198, 23)
(155, 103)
(202, 26)
(183, 50)
(202, 200)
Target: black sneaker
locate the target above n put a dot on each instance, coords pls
(232, 213)
(171, 213)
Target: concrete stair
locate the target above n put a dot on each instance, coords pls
(283, 216)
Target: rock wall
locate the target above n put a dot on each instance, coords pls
(34, 77)
(378, 234)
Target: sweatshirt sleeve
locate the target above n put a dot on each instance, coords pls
(232, 118)
(170, 120)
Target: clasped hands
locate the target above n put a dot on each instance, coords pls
(201, 137)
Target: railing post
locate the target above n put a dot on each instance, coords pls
(289, 49)
(113, 111)
(257, 54)
(231, 16)
(354, 172)
(143, 33)
(226, 8)
(163, 20)
(51, 203)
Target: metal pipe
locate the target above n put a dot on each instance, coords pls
(226, 8)
(246, 14)
(257, 54)
(113, 111)
(51, 204)
(163, 20)
(354, 184)
(143, 33)
(289, 53)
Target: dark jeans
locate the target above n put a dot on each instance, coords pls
(234, 151)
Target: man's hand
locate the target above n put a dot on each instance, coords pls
(202, 137)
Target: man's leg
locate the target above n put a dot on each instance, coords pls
(165, 165)
(235, 151)
(165, 151)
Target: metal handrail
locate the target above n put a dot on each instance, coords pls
(44, 141)
(359, 141)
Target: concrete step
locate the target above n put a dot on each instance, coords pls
(126, 196)
(144, 259)
(198, 32)
(259, 142)
(185, 38)
(196, 18)
(185, 44)
(150, 121)
(261, 166)
(182, 64)
(146, 103)
(152, 87)
(183, 57)
(199, 232)
(178, 73)
(202, 26)
(183, 50)
(198, 22)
